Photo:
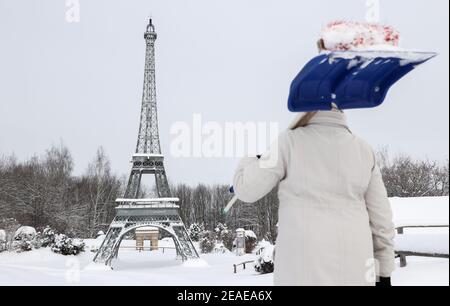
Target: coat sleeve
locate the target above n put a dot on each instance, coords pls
(255, 178)
(381, 224)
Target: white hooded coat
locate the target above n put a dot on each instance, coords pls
(335, 221)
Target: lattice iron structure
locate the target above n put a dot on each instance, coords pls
(132, 211)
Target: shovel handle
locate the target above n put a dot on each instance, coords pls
(235, 198)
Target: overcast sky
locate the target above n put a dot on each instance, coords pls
(229, 60)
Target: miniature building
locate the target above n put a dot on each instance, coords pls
(147, 233)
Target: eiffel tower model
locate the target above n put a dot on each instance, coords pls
(133, 211)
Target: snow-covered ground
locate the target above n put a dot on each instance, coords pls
(42, 267)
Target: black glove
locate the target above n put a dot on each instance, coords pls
(384, 282)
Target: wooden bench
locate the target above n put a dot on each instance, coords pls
(421, 244)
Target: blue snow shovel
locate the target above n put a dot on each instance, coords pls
(350, 79)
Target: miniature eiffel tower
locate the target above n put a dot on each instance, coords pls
(132, 211)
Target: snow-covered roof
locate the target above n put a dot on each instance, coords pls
(146, 228)
(420, 211)
(251, 234)
(149, 200)
(147, 155)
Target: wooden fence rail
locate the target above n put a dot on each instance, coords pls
(243, 264)
(402, 254)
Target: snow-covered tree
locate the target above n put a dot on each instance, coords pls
(195, 231)
(224, 235)
(207, 242)
(47, 237)
(102, 188)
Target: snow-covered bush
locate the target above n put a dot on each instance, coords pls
(48, 237)
(220, 248)
(207, 242)
(195, 231)
(96, 243)
(250, 241)
(265, 261)
(67, 246)
(224, 235)
(23, 245)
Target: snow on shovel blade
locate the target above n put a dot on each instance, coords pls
(351, 79)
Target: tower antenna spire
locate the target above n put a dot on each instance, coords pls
(150, 26)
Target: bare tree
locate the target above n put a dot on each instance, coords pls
(406, 177)
(102, 190)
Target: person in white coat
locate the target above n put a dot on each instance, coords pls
(335, 221)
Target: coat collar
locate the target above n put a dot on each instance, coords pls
(332, 118)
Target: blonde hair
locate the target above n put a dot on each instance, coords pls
(304, 120)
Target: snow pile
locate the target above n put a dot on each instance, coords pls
(25, 233)
(25, 239)
(347, 35)
(420, 211)
(364, 42)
